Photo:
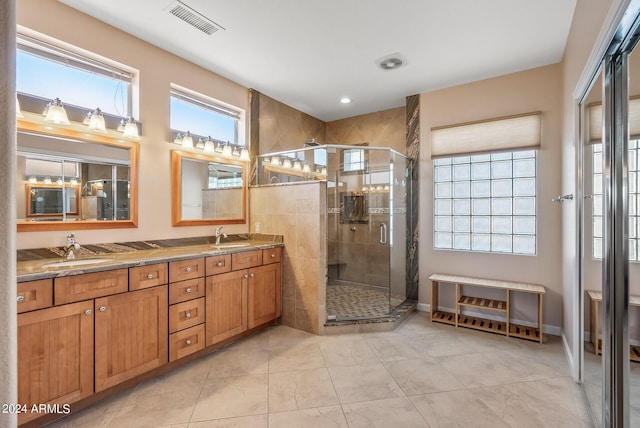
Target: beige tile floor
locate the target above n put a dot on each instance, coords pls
(422, 374)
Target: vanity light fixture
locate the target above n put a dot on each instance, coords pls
(47, 180)
(96, 121)
(200, 144)
(19, 114)
(73, 182)
(219, 147)
(209, 147)
(244, 155)
(178, 139)
(187, 141)
(235, 152)
(227, 151)
(59, 182)
(323, 171)
(275, 160)
(286, 163)
(55, 113)
(297, 166)
(33, 180)
(306, 169)
(131, 129)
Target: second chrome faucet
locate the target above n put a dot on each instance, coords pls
(219, 234)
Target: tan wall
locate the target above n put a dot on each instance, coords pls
(298, 213)
(380, 129)
(588, 18)
(157, 69)
(285, 128)
(534, 90)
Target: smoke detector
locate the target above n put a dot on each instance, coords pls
(391, 62)
(193, 17)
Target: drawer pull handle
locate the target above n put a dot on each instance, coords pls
(246, 276)
(187, 314)
(220, 264)
(150, 276)
(188, 269)
(88, 312)
(20, 299)
(251, 275)
(187, 290)
(188, 341)
(273, 255)
(102, 308)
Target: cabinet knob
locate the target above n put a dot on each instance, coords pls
(246, 276)
(150, 276)
(88, 312)
(102, 308)
(187, 314)
(188, 341)
(20, 299)
(273, 255)
(188, 269)
(187, 290)
(251, 275)
(220, 264)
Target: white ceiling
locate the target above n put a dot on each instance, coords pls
(309, 54)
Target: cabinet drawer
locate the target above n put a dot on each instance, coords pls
(186, 314)
(147, 276)
(34, 295)
(271, 255)
(186, 342)
(86, 286)
(186, 269)
(246, 259)
(218, 264)
(186, 290)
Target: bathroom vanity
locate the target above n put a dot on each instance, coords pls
(88, 328)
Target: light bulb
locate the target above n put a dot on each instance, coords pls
(131, 129)
(96, 121)
(286, 163)
(244, 155)
(306, 169)
(33, 180)
(275, 160)
(209, 147)
(226, 151)
(73, 182)
(59, 181)
(323, 171)
(178, 139)
(47, 180)
(187, 141)
(56, 113)
(200, 144)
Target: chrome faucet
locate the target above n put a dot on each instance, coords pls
(71, 248)
(219, 234)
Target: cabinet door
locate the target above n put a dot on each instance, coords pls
(264, 294)
(226, 306)
(131, 335)
(55, 356)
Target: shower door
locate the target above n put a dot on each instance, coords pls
(366, 223)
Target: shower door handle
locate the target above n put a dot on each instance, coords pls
(383, 233)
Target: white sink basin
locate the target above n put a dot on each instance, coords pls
(74, 263)
(236, 245)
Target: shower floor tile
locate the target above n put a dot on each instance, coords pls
(347, 301)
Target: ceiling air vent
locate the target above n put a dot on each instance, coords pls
(193, 17)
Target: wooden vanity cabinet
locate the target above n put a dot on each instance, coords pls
(264, 294)
(55, 356)
(131, 335)
(226, 306)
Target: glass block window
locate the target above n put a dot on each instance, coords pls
(633, 201)
(486, 202)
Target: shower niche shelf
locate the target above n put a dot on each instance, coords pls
(503, 307)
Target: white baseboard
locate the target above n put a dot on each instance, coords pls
(546, 328)
(569, 355)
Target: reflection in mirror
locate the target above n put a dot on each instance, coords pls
(207, 189)
(62, 178)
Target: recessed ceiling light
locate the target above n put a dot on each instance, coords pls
(345, 100)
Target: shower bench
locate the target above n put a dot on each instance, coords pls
(463, 300)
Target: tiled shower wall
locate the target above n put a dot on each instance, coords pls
(297, 211)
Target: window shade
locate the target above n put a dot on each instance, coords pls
(595, 120)
(507, 133)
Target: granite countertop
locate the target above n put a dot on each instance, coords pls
(45, 263)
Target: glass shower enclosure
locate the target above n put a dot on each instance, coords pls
(368, 193)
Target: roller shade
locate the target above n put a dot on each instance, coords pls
(506, 133)
(595, 120)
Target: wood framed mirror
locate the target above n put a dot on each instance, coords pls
(98, 173)
(207, 189)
